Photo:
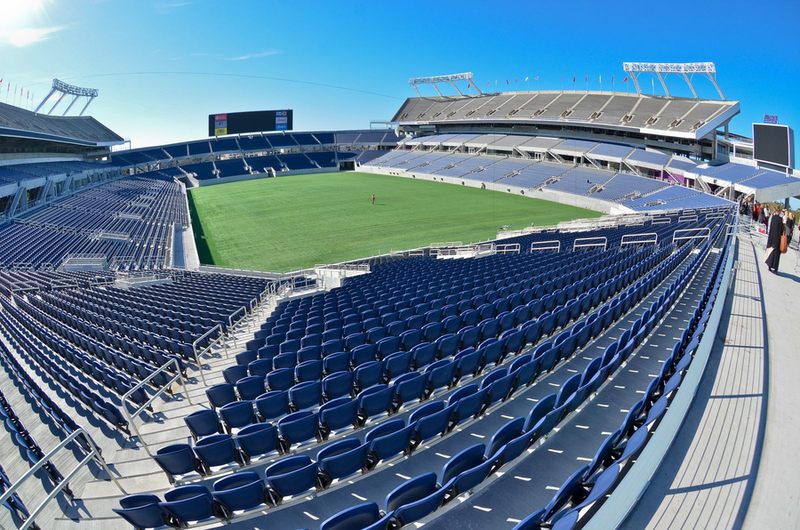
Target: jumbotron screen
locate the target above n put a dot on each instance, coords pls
(249, 122)
(773, 144)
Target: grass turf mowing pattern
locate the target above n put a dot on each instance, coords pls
(289, 223)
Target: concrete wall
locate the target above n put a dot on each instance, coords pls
(581, 201)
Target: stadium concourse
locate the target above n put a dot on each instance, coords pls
(562, 377)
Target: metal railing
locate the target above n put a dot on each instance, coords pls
(551, 244)
(242, 310)
(639, 239)
(358, 267)
(685, 234)
(661, 221)
(132, 416)
(590, 242)
(715, 215)
(507, 248)
(92, 454)
(687, 218)
(197, 354)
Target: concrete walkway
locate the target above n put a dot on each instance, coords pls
(733, 463)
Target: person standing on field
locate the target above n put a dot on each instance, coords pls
(372, 199)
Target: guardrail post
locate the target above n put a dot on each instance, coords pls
(132, 417)
(92, 454)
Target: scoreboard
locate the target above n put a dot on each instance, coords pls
(248, 122)
(773, 144)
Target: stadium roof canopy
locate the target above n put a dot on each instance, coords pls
(78, 130)
(665, 116)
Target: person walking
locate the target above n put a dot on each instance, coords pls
(775, 230)
(789, 222)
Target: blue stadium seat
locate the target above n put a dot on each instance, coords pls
(186, 504)
(221, 394)
(280, 379)
(308, 371)
(240, 491)
(508, 432)
(202, 423)
(433, 424)
(363, 354)
(237, 414)
(389, 445)
(337, 385)
(217, 450)
(257, 440)
(465, 459)
(409, 387)
(336, 362)
(272, 404)
(337, 414)
(423, 354)
(233, 373)
(340, 460)
(290, 476)
(142, 511)
(440, 374)
(395, 365)
(411, 491)
(298, 427)
(259, 367)
(367, 375)
(374, 400)
(365, 516)
(177, 459)
(567, 490)
(305, 395)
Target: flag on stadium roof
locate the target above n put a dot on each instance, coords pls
(771, 118)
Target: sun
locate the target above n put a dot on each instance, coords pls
(18, 13)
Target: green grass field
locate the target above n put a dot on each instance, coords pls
(290, 223)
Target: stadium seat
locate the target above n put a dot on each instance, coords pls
(290, 476)
(272, 404)
(361, 516)
(142, 511)
(257, 440)
(177, 459)
(298, 427)
(340, 460)
(186, 504)
(202, 423)
(237, 414)
(240, 491)
(217, 450)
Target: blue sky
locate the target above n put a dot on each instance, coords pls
(163, 65)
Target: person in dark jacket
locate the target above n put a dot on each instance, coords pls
(774, 232)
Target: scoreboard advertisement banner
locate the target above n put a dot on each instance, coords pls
(249, 122)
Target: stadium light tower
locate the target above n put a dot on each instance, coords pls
(662, 70)
(65, 89)
(451, 78)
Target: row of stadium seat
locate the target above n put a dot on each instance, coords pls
(546, 412)
(412, 386)
(291, 476)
